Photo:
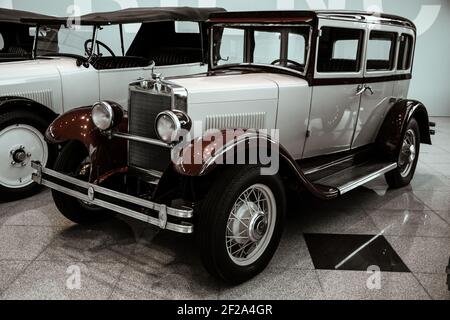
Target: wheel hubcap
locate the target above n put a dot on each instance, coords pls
(19, 145)
(251, 224)
(408, 153)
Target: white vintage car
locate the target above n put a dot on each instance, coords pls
(79, 61)
(314, 101)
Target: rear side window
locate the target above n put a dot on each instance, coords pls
(340, 50)
(405, 52)
(381, 51)
(2, 42)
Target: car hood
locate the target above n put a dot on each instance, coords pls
(229, 88)
(22, 72)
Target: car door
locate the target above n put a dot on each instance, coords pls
(336, 88)
(379, 74)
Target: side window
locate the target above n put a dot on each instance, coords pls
(2, 42)
(405, 52)
(340, 50)
(232, 46)
(381, 51)
(267, 47)
(297, 48)
(187, 27)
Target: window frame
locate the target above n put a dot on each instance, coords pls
(248, 53)
(393, 59)
(411, 52)
(359, 26)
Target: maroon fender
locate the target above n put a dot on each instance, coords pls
(199, 157)
(107, 155)
(389, 140)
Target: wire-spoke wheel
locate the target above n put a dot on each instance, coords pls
(251, 224)
(240, 223)
(408, 153)
(408, 158)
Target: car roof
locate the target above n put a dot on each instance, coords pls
(309, 17)
(137, 15)
(16, 16)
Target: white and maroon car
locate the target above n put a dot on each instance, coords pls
(315, 101)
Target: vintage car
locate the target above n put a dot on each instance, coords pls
(16, 43)
(313, 101)
(79, 61)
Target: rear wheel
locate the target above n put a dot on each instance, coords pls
(409, 156)
(74, 161)
(240, 223)
(22, 141)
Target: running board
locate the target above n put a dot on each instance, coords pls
(356, 176)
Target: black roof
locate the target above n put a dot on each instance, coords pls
(286, 16)
(136, 15)
(16, 16)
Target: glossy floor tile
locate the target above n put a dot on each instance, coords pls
(353, 252)
(41, 252)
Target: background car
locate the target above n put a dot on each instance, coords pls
(313, 101)
(16, 43)
(79, 61)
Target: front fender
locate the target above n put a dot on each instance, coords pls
(202, 155)
(107, 154)
(389, 140)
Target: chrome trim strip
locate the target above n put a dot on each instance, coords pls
(357, 183)
(154, 142)
(162, 210)
(327, 165)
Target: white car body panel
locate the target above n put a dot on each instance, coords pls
(231, 101)
(334, 111)
(37, 80)
(60, 85)
(248, 101)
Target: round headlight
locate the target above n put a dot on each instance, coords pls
(167, 126)
(103, 115)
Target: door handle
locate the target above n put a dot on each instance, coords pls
(370, 90)
(360, 90)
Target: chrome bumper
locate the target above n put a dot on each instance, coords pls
(95, 195)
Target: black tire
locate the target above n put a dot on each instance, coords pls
(213, 219)
(69, 160)
(395, 179)
(24, 117)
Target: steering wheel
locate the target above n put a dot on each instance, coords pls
(295, 63)
(87, 47)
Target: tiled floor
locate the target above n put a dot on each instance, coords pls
(41, 252)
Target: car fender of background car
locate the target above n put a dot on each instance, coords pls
(75, 65)
(334, 85)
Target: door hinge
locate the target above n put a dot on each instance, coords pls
(308, 133)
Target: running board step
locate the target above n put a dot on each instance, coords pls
(354, 177)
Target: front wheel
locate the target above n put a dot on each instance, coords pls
(22, 141)
(409, 156)
(240, 223)
(74, 161)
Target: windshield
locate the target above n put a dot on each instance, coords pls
(279, 46)
(77, 40)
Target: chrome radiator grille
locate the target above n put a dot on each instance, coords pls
(143, 110)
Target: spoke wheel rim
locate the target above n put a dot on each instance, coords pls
(19, 145)
(251, 225)
(408, 153)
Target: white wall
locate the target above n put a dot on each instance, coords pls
(431, 79)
